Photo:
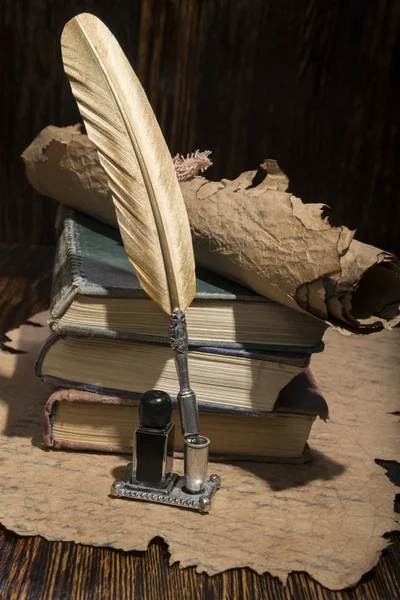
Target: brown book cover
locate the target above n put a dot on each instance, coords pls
(300, 397)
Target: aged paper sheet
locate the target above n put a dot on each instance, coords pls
(326, 518)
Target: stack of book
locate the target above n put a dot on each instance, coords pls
(248, 357)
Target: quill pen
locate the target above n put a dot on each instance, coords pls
(149, 206)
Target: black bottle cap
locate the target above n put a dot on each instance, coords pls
(155, 409)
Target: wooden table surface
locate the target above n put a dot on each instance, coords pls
(33, 568)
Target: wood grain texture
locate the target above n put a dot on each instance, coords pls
(309, 84)
(25, 284)
(32, 568)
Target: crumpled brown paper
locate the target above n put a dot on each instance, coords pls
(326, 518)
(266, 238)
(249, 229)
(62, 163)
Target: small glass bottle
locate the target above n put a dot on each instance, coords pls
(154, 441)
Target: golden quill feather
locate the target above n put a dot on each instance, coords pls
(150, 209)
(120, 122)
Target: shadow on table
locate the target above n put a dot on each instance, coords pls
(281, 477)
(277, 476)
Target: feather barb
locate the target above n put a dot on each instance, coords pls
(120, 122)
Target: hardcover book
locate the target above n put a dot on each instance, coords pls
(96, 293)
(86, 421)
(238, 378)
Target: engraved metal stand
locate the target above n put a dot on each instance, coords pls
(148, 477)
(174, 495)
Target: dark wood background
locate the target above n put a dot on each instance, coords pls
(311, 83)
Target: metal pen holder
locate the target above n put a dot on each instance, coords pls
(196, 463)
(151, 478)
(192, 490)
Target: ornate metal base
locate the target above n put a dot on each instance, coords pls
(174, 494)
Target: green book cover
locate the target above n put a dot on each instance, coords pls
(92, 266)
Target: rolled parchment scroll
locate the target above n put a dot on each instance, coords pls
(250, 230)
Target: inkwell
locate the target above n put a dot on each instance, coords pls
(155, 231)
(150, 476)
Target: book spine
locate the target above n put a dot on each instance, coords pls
(68, 276)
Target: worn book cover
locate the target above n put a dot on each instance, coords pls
(86, 421)
(238, 378)
(96, 293)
